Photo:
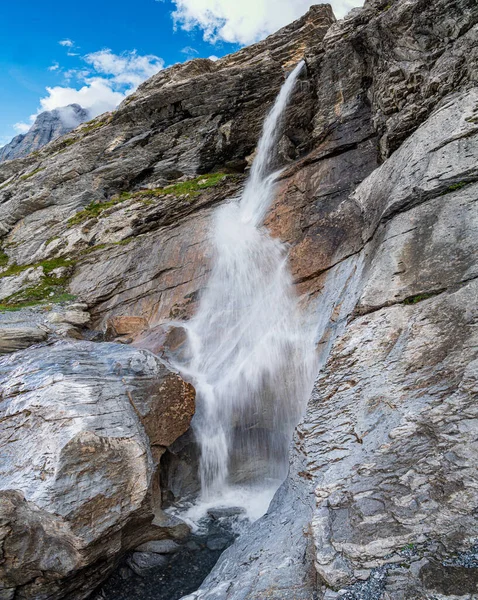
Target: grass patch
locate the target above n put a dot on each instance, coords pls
(48, 266)
(52, 239)
(95, 209)
(420, 297)
(3, 259)
(124, 242)
(92, 125)
(28, 175)
(49, 289)
(18, 305)
(455, 187)
(190, 188)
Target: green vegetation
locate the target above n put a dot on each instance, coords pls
(95, 209)
(190, 188)
(473, 119)
(124, 242)
(11, 304)
(455, 186)
(50, 288)
(48, 266)
(28, 175)
(92, 125)
(63, 145)
(52, 239)
(420, 297)
(3, 259)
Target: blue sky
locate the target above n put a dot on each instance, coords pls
(106, 47)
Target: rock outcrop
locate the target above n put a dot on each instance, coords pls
(48, 126)
(381, 497)
(377, 201)
(83, 426)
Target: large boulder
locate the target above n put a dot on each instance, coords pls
(82, 429)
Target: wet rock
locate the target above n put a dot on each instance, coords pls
(159, 547)
(141, 562)
(221, 513)
(218, 542)
(172, 526)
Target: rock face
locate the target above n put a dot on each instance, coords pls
(377, 202)
(48, 126)
(84, 425)
(381, 497)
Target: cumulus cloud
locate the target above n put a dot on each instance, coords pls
(246, 21)
(22, 127)
(97, 96)
(127, 69)
(67, 43)
(106, 81)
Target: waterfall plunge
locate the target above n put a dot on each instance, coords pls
(250, 354)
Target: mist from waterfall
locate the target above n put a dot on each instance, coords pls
(250, 355)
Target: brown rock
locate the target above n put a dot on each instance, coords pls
(125, 325)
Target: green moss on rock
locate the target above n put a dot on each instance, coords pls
(420, 297)
(28, 175)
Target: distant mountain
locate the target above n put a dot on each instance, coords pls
(48, 126)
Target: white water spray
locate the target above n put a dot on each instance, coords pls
(250, 356)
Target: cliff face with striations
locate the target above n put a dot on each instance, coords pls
(378, 204)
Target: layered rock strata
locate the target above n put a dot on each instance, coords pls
(377, 202)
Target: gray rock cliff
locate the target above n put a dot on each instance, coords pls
(377, 202)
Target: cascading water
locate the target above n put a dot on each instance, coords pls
(250, 354)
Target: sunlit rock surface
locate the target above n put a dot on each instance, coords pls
(378, 204)
(83, 426)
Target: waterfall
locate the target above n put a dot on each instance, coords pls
(250, 354)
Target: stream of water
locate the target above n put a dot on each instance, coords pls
(251, 356)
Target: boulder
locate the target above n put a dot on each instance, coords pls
(18, 337)
(159, 547)
(79, 475)
(142, 562)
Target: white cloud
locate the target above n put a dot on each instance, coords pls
(96, 96)
(246, 21)
(67, 43)
(22, 127)
(127, 69)
(189, 50)
(106, 82)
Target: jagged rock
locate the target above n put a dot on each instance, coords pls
(48, 126)
(79, 473)
(377, 204)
